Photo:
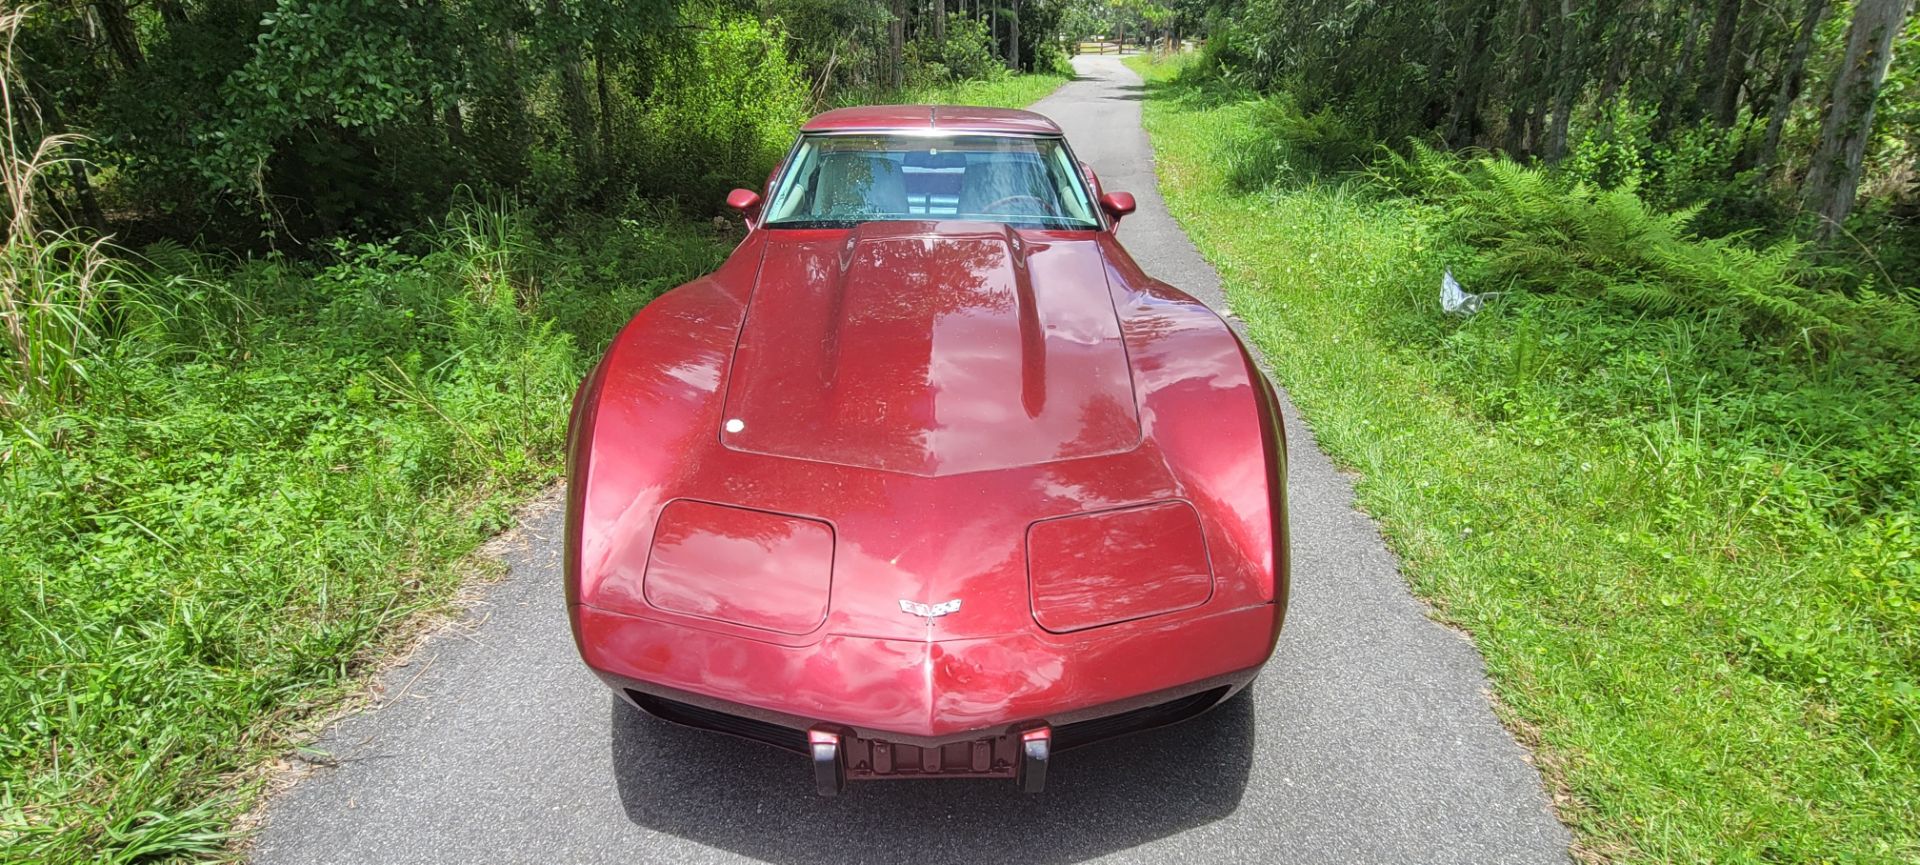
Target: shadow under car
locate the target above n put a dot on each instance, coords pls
(758, 801)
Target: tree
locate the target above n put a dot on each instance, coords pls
(896, 44)
(1833, 178)
(565, 31)
(1571, 77)
(1013, 37)
(1523, 77)
(1714, 73)
(1791, 79)
(1463, 123)
(120, 32)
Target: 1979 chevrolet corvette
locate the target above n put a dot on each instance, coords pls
(928, 479)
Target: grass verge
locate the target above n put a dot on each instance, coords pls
(1703, 615)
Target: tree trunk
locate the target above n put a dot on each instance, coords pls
(1726, 23)
(940, 21)
(1463, 120)
(1537, 130)
(1624, 37)
(573, 97)
(1791, 79)
(449, 114)
(1726, 107)
(896, 45)
(516, 93)
(604, 91)
(1437, 46)
(1572, 67)
(1523, 68)
(121, 36)
(79, 172)
(1668, 114)
(1514, 144)
(1834, 177)
(456, 124)
(1013, 37)
(993, 29)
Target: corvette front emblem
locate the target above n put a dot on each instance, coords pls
(929, 611)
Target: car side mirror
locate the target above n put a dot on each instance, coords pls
(747, 202)
(1117, 204)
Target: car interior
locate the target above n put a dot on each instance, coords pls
(857, 178)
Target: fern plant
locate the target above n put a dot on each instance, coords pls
(1536, 231)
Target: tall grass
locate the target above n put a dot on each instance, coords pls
(53, 281)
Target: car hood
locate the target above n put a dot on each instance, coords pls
(930, 349)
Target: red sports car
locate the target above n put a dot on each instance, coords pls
(928, 479)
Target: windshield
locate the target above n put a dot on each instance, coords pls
(835, 181)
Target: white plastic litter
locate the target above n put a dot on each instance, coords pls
(1457, 301)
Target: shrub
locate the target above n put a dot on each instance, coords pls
(966, 53)
(1705, 167)
(721, 116)
(1284, 144)
(1612, 150)
(1226, 57)
(1050, 59)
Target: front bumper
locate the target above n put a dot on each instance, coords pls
(907, 708)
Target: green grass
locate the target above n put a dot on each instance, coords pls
(1689, 557)
(251, 504)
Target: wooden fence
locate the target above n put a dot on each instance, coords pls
(1108, 46)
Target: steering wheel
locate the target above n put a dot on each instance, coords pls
(1044, 206)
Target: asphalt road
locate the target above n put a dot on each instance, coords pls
(1369, 737)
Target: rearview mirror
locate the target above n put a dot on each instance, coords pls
(747, 202)
(1117, 204)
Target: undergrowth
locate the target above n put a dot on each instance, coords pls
(1668, 482)
(247, 504)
